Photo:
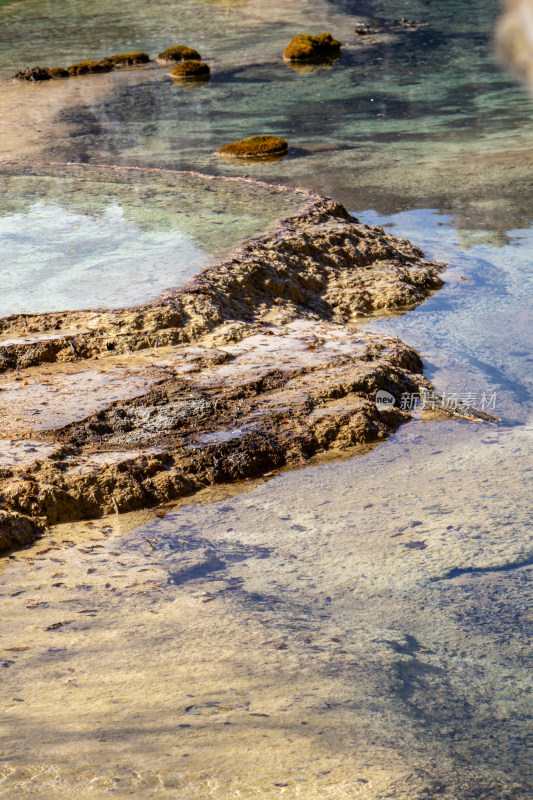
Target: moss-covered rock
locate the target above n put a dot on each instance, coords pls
(132, 59)
(191, 69)
(305, 46)
(58, 72)
(33, 74)
(90, 67)
(258, 147)
(178, 53)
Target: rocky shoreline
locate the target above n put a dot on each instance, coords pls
(255, 364)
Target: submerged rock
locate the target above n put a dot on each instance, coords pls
(179, 52)
(90, 67)
(16, 530)
(305, 46)
(132, 59)
(191, 70)
(259, 147)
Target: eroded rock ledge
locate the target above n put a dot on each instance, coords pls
(255, 364)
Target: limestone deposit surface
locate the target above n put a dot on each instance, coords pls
(256, 364)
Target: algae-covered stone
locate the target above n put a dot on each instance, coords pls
(191, 69)
(33, 74)
(255, 147)
(90, 67)
(178, 53)
(17, 530)
(132, 59)
(58, 72)
(306, 46)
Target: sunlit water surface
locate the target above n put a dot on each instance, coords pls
(81, 238)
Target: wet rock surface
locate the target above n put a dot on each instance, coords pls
(17, 530)
(254, 365)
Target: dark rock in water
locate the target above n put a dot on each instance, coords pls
(58, 72)
(191, 70)
(178, 53)
(90, 67)
(305, 46)
(33, 74)
(17, 530)
(132, 59)
(255, 147)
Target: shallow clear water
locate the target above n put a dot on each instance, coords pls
(355, 629)
(475, 333)
(103, 260)
(73, 238)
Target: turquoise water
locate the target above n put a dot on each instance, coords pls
(422, 119)
(399, 582)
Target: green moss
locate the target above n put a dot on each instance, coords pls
(191, 69)
(33, 74)
(305, 46)
(128, 59)
(255, 147)
(58, 72)
(178, 53)
(90, 67)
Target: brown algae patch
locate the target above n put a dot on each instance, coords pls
(254, 365)
(256, 147)
(196, 70)
(305, 46)
(133, 59)
(179, 52)
(90, 67)
(86, 67)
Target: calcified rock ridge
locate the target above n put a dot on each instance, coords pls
(253, 365)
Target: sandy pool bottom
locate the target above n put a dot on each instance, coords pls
(349, 630)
